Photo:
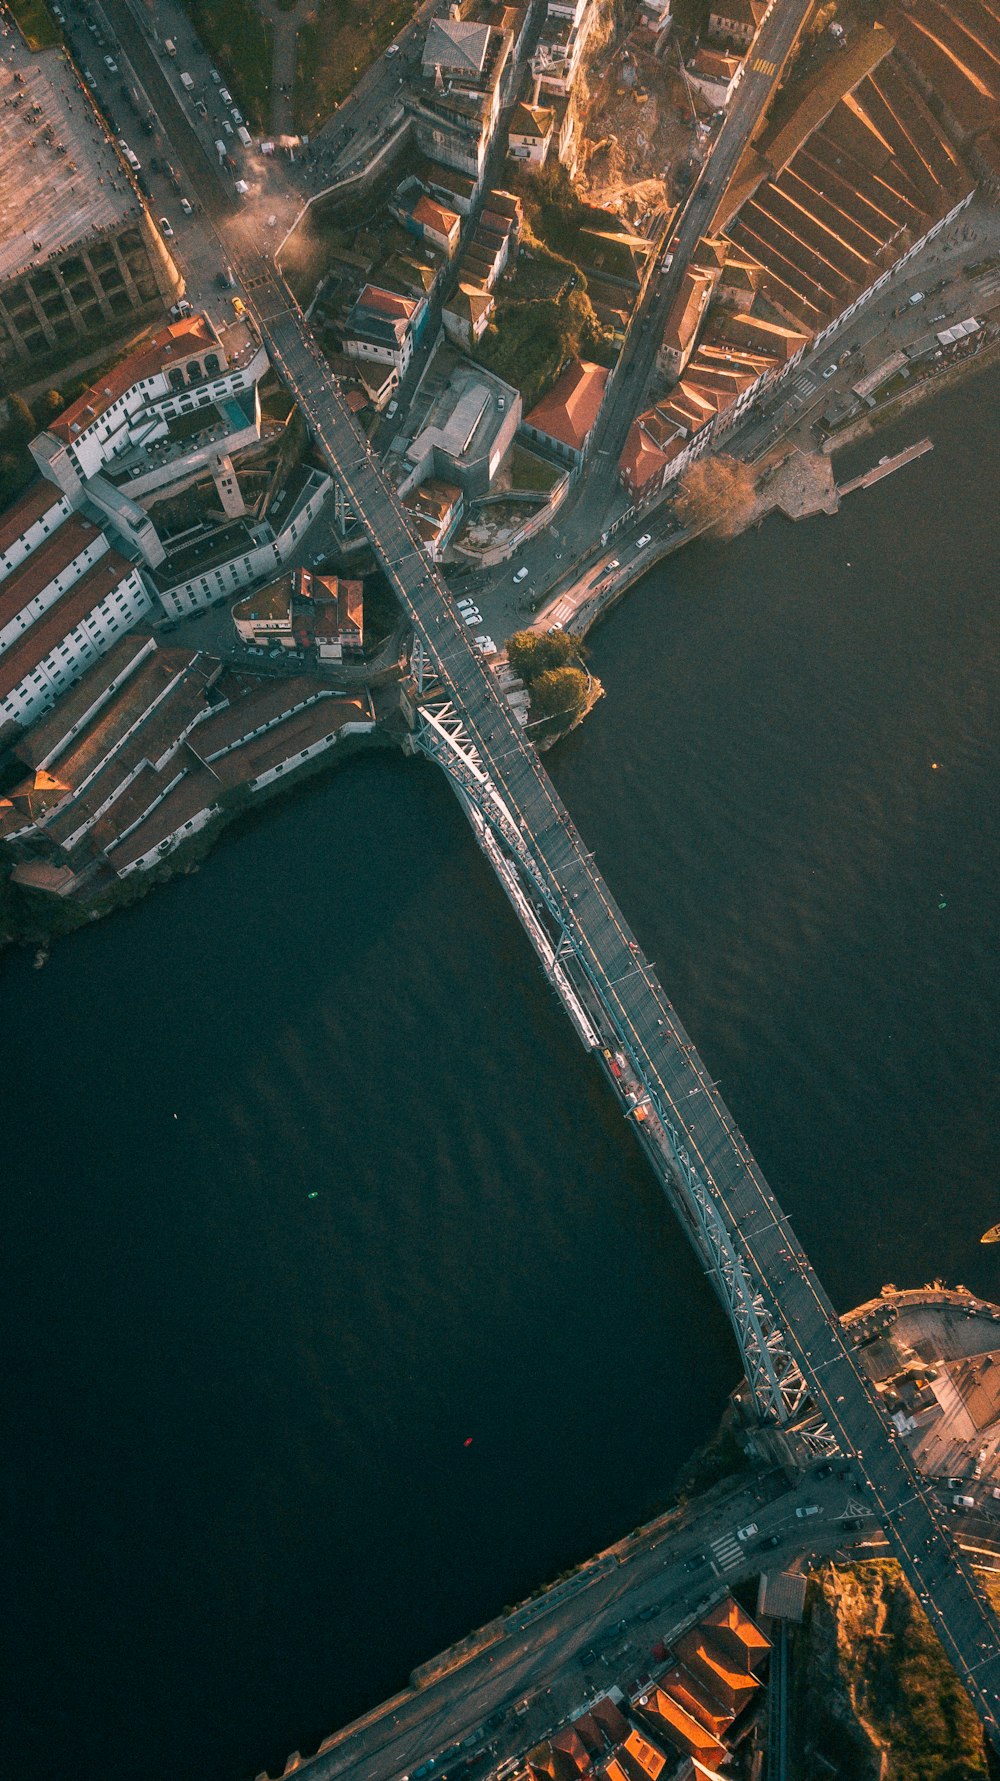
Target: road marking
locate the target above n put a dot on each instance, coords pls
(728, 1552)
(760, 67)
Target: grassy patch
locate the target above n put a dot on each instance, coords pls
(529, 474)
(241, 43)
(334, 50)
(38, 27)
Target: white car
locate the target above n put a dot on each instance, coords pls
(215, 76)
(472, 618)
(522, 575)
(187, 206)
(227, 126)
(747, 1533)
(165, 228)
(466, 605)
(613, 564)
(237, 116)
(225, 95)
(111, 65)
(641, 543)
(829, 371)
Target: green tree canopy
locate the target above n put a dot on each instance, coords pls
(531, 653)
(559, 692)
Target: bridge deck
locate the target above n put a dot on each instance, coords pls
(636, 1011)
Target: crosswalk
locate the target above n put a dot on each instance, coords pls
(727, 1552)
(759, 66)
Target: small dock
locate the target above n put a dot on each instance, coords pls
(885, 467)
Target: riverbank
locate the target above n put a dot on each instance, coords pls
(35, 918)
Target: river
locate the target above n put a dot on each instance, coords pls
(308, 1183)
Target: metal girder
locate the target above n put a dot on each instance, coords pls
(777, 1386)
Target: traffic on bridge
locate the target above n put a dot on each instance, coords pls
(799, 1367)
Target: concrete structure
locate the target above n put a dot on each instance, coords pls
(265, 614)
(565, 419)
(562, 40)
(140, 427)
(529, 134)
(465, 315)
(455, 108)
(80, 258)
(158, 737)
(437, 509)
(209, 571)
(66, 600)
(465, 432)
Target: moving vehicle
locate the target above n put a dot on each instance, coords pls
(829, 371)
(963, 1502)
(522, 575)
(915, 297)
(165, 228)
(111, 65)
(187, 207)
(807, 1510)
(170, 46)
(747, 1533)
(641, 543)
(187, 82)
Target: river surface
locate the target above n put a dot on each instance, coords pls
(307, 1181)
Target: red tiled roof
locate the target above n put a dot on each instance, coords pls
(735, 1633)
(682, 1730)
(570, 409)
(434, 215)
(56, 553)
(33, 505)
(713, 64)
(386, 302)
(166, 347)
(640, 461)
(60, 619)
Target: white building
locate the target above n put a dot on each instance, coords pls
(266, 546)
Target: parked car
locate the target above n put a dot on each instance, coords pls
(111, 65)
(165, 228)
(187, 206)
(641, 543)
(829, 371)
(807, 1510)
(521, 575)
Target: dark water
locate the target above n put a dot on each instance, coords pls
(239, 1506)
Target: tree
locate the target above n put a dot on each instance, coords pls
(559, 692)
(717, 496)
(531, 653)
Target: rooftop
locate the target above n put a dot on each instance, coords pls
(458, 44)
(571, 407)
(264, 703)
(129, 704)
(267, 604)
(435, 216)
(60, 179)
(48, 738)
(47, 560)
(60, 619)
(532, 120)
(33, 505)
(166, 347)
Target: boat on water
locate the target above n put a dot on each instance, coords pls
(992, 1235)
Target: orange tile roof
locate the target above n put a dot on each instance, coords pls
(713, 64)
(641, 461)
(686, 310)
(166, 347)
(649, 1758)
(386, 302)
(683, 1730)
(731, 1684)
(570, 409)
(694, 1697)
(434, 215)
(734, 1631)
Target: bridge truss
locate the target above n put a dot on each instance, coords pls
(778, 1389)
